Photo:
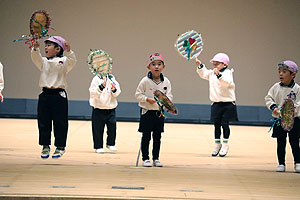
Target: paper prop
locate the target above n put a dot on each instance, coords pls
(164, 102)
(287, 114)
(100, 63)
(189, 44)
(39, 25)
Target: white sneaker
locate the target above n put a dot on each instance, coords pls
(111, 148)
(146, 163)
(280, 168)
(101, 150)
(216, 149)
(58, 153)
(157, 163)
(297, 167)
(45, 152)
(224, 150)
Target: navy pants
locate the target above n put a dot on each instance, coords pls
(53, 108)
(100, 118)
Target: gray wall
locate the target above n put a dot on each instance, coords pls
(256, 34)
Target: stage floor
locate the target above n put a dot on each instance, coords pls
(189, 172)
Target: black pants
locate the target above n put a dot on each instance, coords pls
(100, 118)
(53, 107)
(156, 145)
(281, 145)
(225, 127)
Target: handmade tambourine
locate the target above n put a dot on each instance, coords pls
(165, 102)
(39, 25)
(287, 114)
(189, 44)
(100, 63)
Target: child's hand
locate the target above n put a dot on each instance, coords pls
(1, 97)
(276, 112)
(113, 87)
(104, 84)
(36, 44)
(198, 62)
(68, 47)
(217, 71)
(151, 100)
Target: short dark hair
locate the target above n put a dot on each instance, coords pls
(61, 52)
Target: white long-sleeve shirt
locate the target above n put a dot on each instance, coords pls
(278, 93)
(1, 78)
(53, 71)
(221, 89)
(146, 89)
(104, 99)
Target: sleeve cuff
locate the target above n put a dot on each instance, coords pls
(101, 87)
(201, 66)
(273, 106)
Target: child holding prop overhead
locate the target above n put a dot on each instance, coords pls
(283, 99)
(222, 95)
(53, 101)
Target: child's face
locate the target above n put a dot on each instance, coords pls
(218, 65)
(50, 50)
(285, 75)
(156, 68)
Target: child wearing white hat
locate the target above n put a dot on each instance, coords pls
(222, 95)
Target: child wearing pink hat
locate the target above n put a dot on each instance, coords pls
(151, 120)
(286, 88)
(222, 95)
(53, 101)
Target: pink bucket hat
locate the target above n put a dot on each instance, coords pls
(155, 56)
(221, 57)
(290, 65)
(58, 40)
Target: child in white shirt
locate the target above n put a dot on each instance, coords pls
(53, 101)
(103, 99)
(222, 95)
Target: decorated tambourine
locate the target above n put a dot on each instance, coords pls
(100, 63)
(39, 27)
(164, 103)
(287, 112)
(189, 44)
(286, 115)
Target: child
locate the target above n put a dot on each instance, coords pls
(1, 82)
(53, 102)
(277, 94)
(151, 119)
(103, 99)
(222, 95)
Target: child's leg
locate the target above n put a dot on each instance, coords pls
(226, 130)
(294, 142)
(156, 145)
(111, 129)
(44, 120)
(217, 130)
(60, 119)
(98, 124)
(281, 144)
(218, 144)
(145, 145)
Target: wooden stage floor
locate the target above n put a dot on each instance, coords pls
(189, 172)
